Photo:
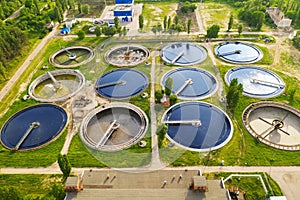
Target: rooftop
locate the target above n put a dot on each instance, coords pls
(162, 184)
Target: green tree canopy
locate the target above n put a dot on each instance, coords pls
(234, 92)
(213, 31)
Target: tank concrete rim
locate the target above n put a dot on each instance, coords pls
(193, 98)
(44, 77)
(249, 62)
(144, 126)
(258, 68)
(52, 57)
(115, 48)
(261, 104)
(203, 149)
(201, 48)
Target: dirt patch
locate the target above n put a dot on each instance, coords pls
(184, 17)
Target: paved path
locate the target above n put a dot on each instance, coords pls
(155, 161)
(199, 21)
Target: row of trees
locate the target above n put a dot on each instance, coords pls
(253, 11)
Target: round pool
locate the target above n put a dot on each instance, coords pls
(113, 127)
(274, 124)
(257, 82)
(198, 126)
(58, 85)
(121, 84)
(191, 83)
(33, 127)
(128, 55)
(183, 54)
(238, 52)
(73, 56)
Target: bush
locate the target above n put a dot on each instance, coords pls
(81, 34)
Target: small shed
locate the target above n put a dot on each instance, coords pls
(73, 184)
(199, 183)
(65, 31)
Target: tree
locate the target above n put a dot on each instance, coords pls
(189, 26)
(81, 34)
(158, 95)
(154, 29)
(173, 99)
(234, 92)
(162, 130)
(3, 71)
(85, 9)
(98, 31)
(296, 41)
(169, 22)
(230, 23)
(258, 18)
(169, 86)
(109, 31)
(117, 22)
(176, 20)
(64, 165)
(124, 30)
(213, 31)
(141, 22)
(58, 14)
(165, 23)
(79, 7)
(187, 6)
(159, 28)
(240, 28)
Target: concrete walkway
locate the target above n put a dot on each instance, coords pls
(155, 161)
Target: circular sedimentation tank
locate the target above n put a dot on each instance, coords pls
(33, 127)
(238, 52)
(197, 126)
(121, 83)
(128, 55)
(257, 82)
(113, 127)
(183, 54)
(58, 85)
(274, 124)
(69, 57)
(191, 83)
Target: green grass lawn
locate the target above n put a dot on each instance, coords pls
(251, 186)
(32, 186)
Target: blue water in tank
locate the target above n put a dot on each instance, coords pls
(52, 120)
(136, 82)
(215, 129)
(248, 53)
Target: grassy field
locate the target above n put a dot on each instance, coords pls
(251, 186)
(32, 186)
(155, 12)
(217, 13)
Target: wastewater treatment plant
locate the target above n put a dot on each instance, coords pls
(155, 109)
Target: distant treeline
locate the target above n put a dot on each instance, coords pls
(29, 24)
